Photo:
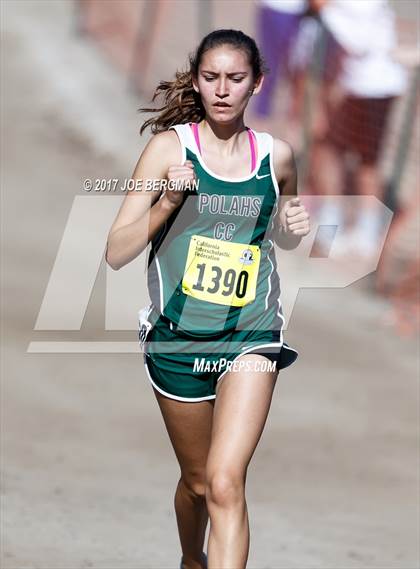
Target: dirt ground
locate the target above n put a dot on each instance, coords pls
(88, 473)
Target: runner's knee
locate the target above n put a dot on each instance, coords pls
(225, 489)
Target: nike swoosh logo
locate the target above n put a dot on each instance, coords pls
(265, 176)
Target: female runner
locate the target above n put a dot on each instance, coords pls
(226, 195)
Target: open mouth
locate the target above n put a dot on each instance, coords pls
(222, 105)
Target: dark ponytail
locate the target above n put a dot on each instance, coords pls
(181, 104)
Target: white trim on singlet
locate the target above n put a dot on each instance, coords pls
(190, 143)
(179, 133)
(156, 260)
(269, 276)
(280, 314)
(273, 174)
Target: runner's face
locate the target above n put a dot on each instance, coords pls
(225, 83)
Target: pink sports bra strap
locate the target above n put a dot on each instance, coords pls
(194, 127)
(251, 137)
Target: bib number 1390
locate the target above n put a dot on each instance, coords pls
(231, 281)
(221, 272)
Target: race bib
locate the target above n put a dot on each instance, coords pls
(221, 272)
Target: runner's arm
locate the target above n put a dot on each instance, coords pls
(286, 175)
(142, 213)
